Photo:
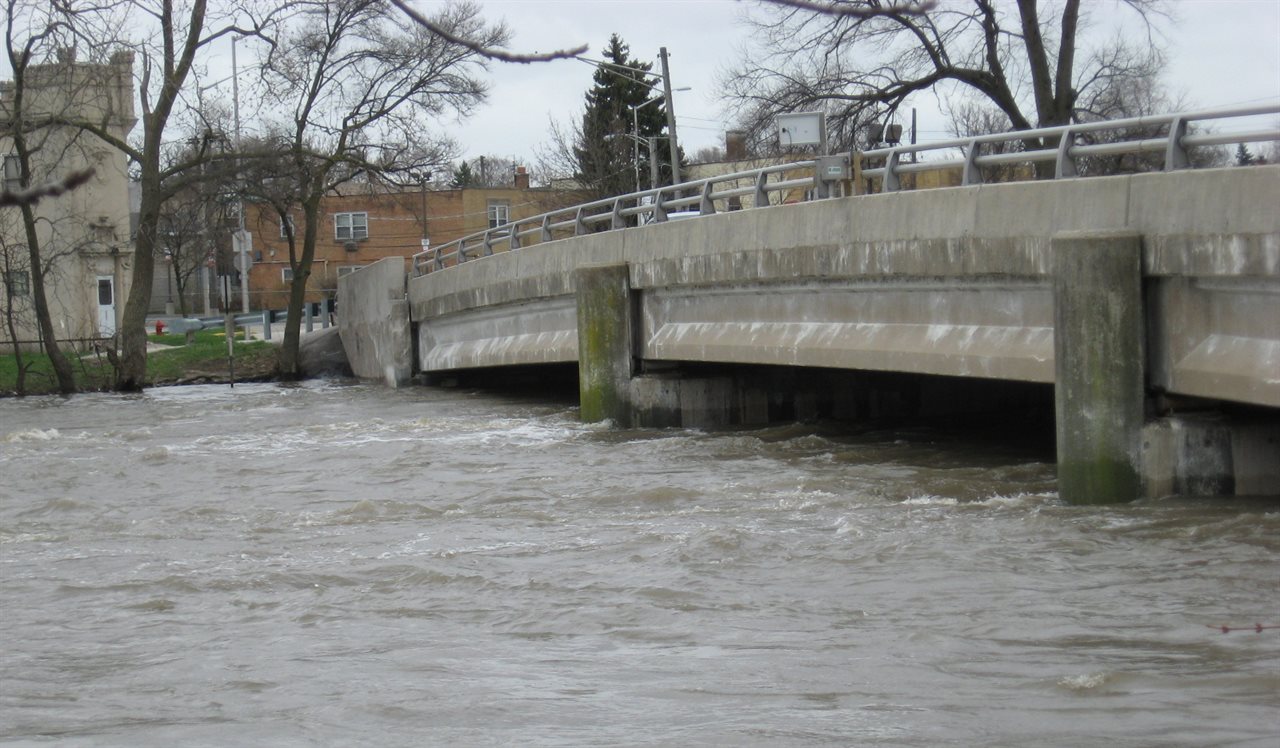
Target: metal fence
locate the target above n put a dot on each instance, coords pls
(1166, 134)
(1066, 147)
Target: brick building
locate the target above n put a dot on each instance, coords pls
(358, 228)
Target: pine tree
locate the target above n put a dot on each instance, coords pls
(605, 155)
(463, 177)
(1243, 156)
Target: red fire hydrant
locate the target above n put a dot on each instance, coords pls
(159, 327)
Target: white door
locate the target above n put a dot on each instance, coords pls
(106, 306)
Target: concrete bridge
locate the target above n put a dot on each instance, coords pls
(1138, 298)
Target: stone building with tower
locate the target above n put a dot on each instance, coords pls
(86, 248)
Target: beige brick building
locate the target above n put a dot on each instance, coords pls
(84, 235)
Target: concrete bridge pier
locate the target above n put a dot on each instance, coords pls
(606, 343)
(1099, 377)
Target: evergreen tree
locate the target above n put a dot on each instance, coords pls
(463, 177)
(604, 153)
(1243, 156)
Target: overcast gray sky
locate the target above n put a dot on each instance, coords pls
(1221, 52)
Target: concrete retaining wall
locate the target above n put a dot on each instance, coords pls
(373, 319)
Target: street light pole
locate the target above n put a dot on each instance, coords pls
(635, 134)
(635, 143)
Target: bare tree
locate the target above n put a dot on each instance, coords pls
(176, 33)
(28, 108)
(360, 91)
(1028, 61)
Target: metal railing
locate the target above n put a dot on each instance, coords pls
(1066, 146)
(762, 187)
(884, 167)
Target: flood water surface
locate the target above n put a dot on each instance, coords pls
(336, 564)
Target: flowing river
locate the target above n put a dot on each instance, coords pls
(337, 564)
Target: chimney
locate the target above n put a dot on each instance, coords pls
(735, 145)
(522, 178)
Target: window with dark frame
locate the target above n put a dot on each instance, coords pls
(499, 213)
(12, 173)
(350, 226)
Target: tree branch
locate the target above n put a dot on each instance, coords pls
(910, 7)
(54, 189)
(480, 49)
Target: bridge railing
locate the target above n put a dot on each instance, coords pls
(755, 188)
(1068, 148)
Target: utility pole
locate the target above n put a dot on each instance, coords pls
(653, 160)
(244, 246)
(671, 118)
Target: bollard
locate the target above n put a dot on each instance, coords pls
(266, 324)
(306, 309)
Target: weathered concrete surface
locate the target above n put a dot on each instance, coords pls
(1099, 366)
(541, 331)
(322, 354)
(954, 281)
(373, 318)
(605, 343)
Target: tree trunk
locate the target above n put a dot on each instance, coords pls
(49, 339)
(132, 374)
(20, 385)
(290, 363)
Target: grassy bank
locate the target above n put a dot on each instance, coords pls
(174, 362)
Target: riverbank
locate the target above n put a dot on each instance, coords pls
(170, 361)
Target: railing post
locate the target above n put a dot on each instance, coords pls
(617, 221)
(439, 258)
(513, 238)
(488, 243)
(1175, 156)
(972, 174)
(546, 228)
(1064, 165)
(891, 182)
(659, 208)
(462, 251)
(762, 194)
(306, 314)
(579, 225)
(266, 324)
(706, 206)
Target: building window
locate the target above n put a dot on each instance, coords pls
(286, 275)
(12, 173)
(350, 226)
(287, 223)
(499, 213)
(347, 269)
(17, 283)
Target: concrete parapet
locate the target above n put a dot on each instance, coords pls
(1099, 369)
(374, 322)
